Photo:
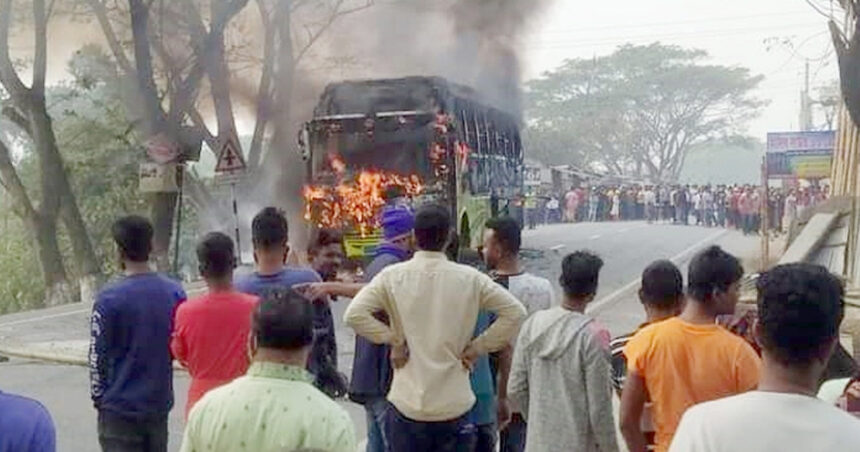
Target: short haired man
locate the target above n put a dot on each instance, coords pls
(326, 256)
(560, 367)
(131, 368)
(432, 306)
(211, 334)
(800, 308)
(662, 296)
(274, 407)
(25, 425)
(502, 242)
(270, 236)
(688, 359)
(371, 370)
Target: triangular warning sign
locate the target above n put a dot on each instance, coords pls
(230, 158)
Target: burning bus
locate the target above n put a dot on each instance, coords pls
(422, 139)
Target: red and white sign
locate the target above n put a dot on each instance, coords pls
(161, 150)
(230, 157)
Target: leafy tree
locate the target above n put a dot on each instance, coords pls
(27, 107)
(181, 55)
(637, 111)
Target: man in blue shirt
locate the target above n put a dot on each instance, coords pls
(131, 371)
(25, 425)
(270, 236)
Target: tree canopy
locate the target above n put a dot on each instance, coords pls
(637, 111)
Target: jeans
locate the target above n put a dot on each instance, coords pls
(118, 434)
(376, 410)
(482, 438)
(513, 438)
(407, 435)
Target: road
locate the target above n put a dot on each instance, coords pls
(626, 249)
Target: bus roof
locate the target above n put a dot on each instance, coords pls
(412, 94)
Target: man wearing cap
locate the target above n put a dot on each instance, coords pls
(371, 370)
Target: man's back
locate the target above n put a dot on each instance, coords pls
(767, 422)
(684, 364)
(272, 409)
(257, 284)
(534, 292)
(560, 379)
(211, 339)
(130, 351)
(25, 425)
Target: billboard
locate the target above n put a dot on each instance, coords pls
(802, 155)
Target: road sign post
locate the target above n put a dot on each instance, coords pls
(231, 163)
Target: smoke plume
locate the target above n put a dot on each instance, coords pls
(472, 42)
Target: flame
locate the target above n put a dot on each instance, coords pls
(354, 202)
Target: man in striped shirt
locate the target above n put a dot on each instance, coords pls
(662, 295)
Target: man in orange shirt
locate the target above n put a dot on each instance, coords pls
(211, 334)
(688, 359)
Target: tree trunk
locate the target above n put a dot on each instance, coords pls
(57, 290)
(163, 204)
(163, 210)
(57, 189)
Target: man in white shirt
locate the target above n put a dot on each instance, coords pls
(800, 308)
(432, 305)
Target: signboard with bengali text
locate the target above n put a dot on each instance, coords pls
(802, 155)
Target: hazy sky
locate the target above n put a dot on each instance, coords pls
(734, 32)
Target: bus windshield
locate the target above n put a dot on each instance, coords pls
(400, 148)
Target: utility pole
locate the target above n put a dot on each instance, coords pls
(806, 104)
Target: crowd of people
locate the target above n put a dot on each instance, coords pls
(731, 206)
(456, 351)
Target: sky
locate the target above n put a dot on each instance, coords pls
(744, 33)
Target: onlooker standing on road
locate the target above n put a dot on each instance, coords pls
(571, 205)
(662, 296)
(25, 425)
(688, 359)
(270, 235)
(371, 370)
(274, 407)
(432, 305)
(560, 368)
(211, 334)
(800, 308)
(326, 256)
(130, 364)
(502, 242)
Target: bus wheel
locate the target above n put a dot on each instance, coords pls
(465, 233)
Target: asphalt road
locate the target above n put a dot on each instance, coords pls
(626, 249)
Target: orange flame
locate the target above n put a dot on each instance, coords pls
(354, 203)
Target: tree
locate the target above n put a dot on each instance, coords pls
(638, 110)
(184, 70)
(27, 108)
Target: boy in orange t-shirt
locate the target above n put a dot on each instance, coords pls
(689, 359)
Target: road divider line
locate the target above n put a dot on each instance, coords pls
(606, 301)
(595, 237)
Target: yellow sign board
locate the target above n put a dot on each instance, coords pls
(357, 246)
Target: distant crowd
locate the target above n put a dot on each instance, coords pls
(457, 351)
(730, 206)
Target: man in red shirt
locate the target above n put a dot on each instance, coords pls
(211, 334)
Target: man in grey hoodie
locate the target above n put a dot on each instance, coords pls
(560, 373)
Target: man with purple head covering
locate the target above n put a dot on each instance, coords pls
(371, 371)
